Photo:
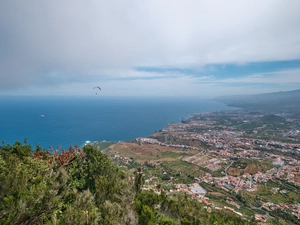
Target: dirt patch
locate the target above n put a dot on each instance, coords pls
(232, 171)
(250, 168)
(297, 177)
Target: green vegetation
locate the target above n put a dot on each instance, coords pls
(170, 154)
(240, 164)
(103, 145)
(181, 171)
(272, 119)
(277, 213)
(82, 186)
(283, 185)
(286, 193)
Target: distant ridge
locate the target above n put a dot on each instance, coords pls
(278, 101)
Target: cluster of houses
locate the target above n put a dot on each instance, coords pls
(197, 192)
(227, 143)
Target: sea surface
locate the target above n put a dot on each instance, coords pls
(69, 121)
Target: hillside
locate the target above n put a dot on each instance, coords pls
(277, 101)
(246, 160)
(83, 186)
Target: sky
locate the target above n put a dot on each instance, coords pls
(175, 48)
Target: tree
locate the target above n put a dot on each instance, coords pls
(147, 216)
(138, 180)
(185, 221)
(28, 193)
(167, 221)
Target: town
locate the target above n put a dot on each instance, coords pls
(248, 162)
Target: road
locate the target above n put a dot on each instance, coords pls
(228, 167)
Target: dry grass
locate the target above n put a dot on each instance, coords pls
(145, 152)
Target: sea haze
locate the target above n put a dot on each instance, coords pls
(65, 121)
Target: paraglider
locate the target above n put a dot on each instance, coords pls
(97, 88)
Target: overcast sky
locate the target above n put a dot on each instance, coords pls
(149, 48)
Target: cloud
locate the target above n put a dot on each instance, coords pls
(52, 43)
(279, 77)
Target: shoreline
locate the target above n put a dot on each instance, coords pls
(69, 123)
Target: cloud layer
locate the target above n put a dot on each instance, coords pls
(52, 43)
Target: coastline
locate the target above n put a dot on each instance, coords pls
(72, 121)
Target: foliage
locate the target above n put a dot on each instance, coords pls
(82, 186)
(284, 215)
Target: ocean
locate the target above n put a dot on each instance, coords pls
(69, 121)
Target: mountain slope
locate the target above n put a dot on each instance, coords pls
(277, 101)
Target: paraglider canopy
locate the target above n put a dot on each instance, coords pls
(96, 87)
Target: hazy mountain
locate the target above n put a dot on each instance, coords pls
(278, 101)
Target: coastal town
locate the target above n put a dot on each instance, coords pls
(249, 162)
